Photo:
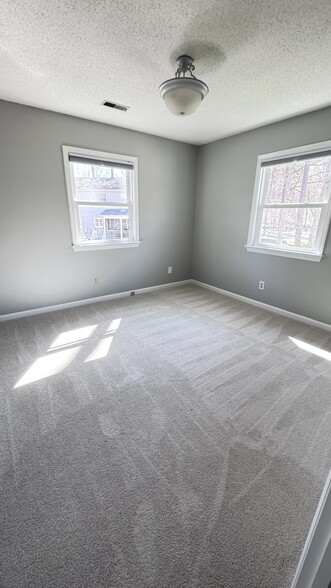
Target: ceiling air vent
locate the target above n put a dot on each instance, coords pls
(115, 105)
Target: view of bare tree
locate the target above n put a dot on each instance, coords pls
(302, 182)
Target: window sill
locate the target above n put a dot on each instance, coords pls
(102, 246)
(285, 253)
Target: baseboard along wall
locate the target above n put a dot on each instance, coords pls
(65, 305)
(286, 313)
(265, 306)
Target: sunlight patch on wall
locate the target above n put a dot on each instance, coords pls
(312, 349)
(48, 365)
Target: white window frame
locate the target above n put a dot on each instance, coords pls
(258, 206)
(132, 204)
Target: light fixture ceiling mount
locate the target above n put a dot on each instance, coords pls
(182, 94)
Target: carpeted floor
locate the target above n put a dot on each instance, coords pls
(173, 439)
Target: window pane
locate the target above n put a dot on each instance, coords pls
(298, 181)
(289, 227)
(98, 183)
(103, 224)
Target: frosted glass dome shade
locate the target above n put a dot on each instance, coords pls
(183, 95)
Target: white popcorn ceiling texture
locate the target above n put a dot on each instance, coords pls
(262, 60)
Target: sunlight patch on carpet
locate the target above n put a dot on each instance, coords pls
(312, 348)
(73, 336)
(49, 365)
(101, 349)
(113, 325)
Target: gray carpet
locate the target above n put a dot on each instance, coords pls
(192, 455)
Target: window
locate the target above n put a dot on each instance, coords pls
(98, 223)
(103, 199)
(291, 205)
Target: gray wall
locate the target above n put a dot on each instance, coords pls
(39, 268)
(37, 264)
(226, 173)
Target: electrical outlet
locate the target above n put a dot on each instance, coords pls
(95, 280)
(170, 269)
(261, 285)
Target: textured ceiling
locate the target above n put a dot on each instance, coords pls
(264, 60)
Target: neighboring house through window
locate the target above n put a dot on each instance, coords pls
(291, 205)
(103, 198)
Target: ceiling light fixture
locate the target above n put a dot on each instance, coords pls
(183, 95)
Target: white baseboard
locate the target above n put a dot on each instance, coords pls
(65, 305)
(292, 315)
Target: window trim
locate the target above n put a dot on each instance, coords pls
(324, 224)
(133, 203)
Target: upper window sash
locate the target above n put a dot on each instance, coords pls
(291, 158)
(104, 162)
(305, 152)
